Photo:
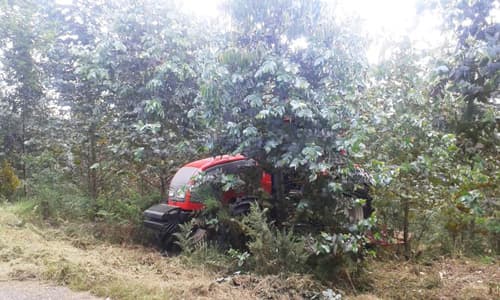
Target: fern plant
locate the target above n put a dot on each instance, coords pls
(184, 238)
(273, 251)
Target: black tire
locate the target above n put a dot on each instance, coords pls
(166, 238)
(242, 206)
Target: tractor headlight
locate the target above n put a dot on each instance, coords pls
(181, 193)
(171, 193)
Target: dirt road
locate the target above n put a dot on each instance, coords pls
(34, 290)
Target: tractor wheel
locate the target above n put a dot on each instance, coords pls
(242, 206)
(166, 238)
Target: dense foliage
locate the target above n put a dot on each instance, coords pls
(101, 102)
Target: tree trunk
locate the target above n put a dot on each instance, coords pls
(406, 209)
(279, 208)
(472, 235)
(163, 187)
(23, 147)
(93, 192)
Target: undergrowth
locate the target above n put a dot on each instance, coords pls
(269, 251)
(72, 258)
(65, 206)
(272, 250)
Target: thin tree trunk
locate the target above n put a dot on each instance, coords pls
(406, 209)
(163, 187)
(142, 186)
(23, 147)
(279, 196)
(472, 235)
(92, 170)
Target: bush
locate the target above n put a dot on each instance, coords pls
(198, 250)
(268, 250)
(61, 202)
(9, 182)
(273, 251)
(126, 210)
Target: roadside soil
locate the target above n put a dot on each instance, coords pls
(443, 278)
(34, 259)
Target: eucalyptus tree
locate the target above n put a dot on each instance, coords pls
(470, 71)
(79, 82)
(434, 134)
(408, 152)
(127, 74)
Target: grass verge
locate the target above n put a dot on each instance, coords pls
(70, 255)
(109, 270)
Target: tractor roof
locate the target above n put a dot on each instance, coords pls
(206, 163)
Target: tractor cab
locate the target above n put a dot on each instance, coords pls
(194, 182)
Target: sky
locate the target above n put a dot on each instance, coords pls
(378, 14)
(395, 18)
(380, 18)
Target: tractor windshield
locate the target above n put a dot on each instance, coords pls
(179, 183)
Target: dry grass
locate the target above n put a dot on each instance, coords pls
(75, 259)
(120, 272)
(441, 279)
(70, 256)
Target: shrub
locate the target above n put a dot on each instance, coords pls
(123, 209)
(273, 251)
(9, 182)
(198, 250)
(184, 238)
(268, 249)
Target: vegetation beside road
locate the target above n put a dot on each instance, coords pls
(124, 271)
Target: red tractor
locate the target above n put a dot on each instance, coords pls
(185, 197)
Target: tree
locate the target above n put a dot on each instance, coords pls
(408, 153)
(469, 77)
(23, 104)
(286, 92)
(128, 80)
(153, 62)
(433, 150)
(470, 71)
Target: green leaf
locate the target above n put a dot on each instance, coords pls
(250, 131)
(255, 100)
(270, 144)
(268, 67)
